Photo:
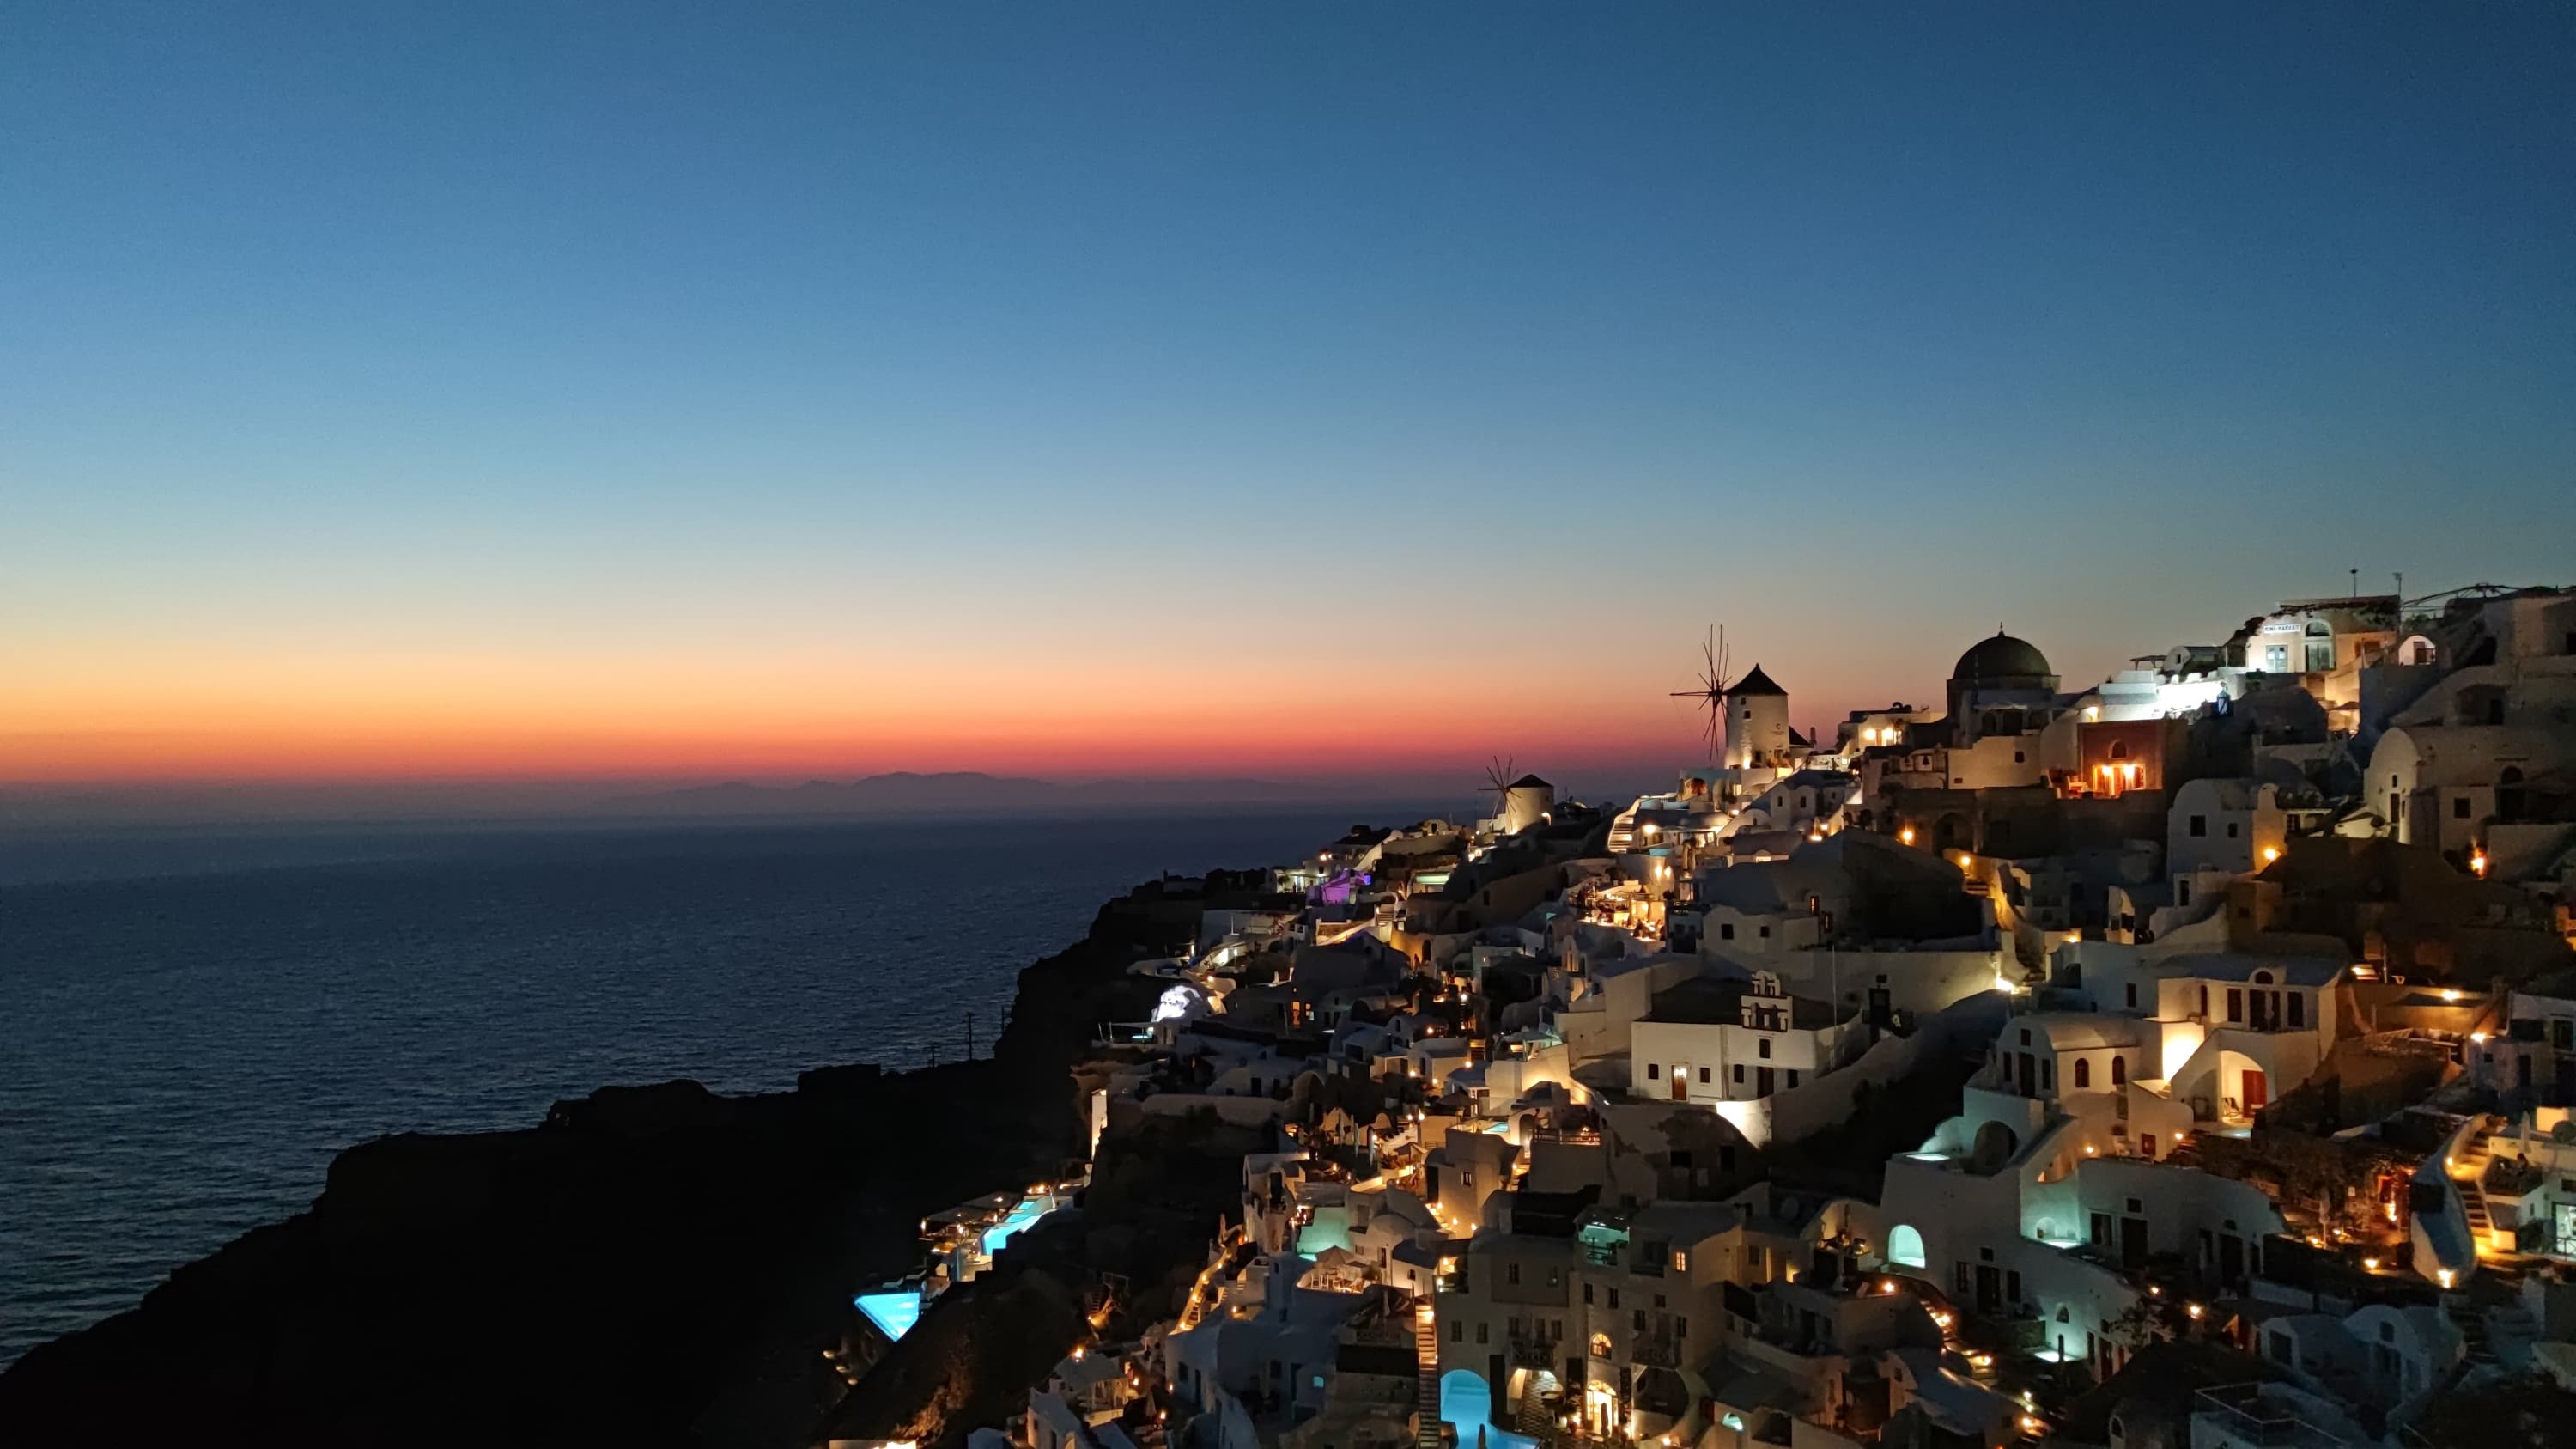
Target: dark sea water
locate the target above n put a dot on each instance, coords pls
(192, 1023)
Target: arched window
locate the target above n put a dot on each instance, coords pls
(2083, 1074)
(1904, 1247)
(2119, 749)
(2119, 1070)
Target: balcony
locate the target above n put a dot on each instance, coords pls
(2245, 1414)
(1529, 1350)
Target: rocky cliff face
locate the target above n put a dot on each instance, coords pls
(654, 1265)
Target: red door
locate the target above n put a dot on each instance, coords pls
(2257, 1092)
(1681, 1084)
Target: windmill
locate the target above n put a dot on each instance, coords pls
(1499, 777)
(1713, 685)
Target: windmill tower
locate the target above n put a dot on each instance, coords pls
(1748, 717)
(1520, 801)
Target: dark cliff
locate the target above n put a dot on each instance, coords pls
(652, 1265)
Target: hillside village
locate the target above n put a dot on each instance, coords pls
(2185, 1059)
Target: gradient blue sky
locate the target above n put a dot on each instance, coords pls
(1323, 388)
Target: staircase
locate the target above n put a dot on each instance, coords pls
(1426, 1355)
(1531, 1416)
(2471, 1320)
(2468, 1175)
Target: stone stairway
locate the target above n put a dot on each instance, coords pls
(1426, 1355)
(2468, 1174)
(2471, 1320)
(1531, 1416)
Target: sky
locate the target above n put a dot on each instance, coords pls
(421, 392)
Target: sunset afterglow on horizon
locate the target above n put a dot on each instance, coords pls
(889, 389)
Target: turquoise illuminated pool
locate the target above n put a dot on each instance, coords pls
(893, 1311)
(1029, 1211)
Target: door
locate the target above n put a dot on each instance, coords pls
(2257, 1092)
(2147, 1145)
(1762, 1081)
(2029, 1076)
(1990, 1290)
(2231, 1259)
(1680, 1074)
(2133, 1243)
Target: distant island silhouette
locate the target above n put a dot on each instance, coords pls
(910, 791)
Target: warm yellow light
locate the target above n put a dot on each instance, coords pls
(2451, 994)
(2477, 1036)
(2370, 1263)
(2271, 853)
(2445, 1275)
(1906, 835)
(2478, 863)
(2193, 1310)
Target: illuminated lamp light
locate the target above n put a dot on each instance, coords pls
(2451, 995)
(2445, 1275)
(2370, 1264)
(2477, 1036)
(2194, 1310)
(1906, 835)
(2478, 863)
(2271, 853)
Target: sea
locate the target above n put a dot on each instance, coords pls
(192, 1022)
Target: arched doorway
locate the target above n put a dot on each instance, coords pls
(1905, 1246)
(1467, 1405)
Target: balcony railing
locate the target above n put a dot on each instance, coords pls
(1534, 1351)
(2249, 1417)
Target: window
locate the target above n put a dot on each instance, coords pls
(1639, 1319)
(1726, 931)
(2235, 1004)
(2048, 1073)
(2083, 1074)
(2119, 1070)
(1457, 1330)
(2199, 825)
(1765, 1045)
(1511, 1272)
(1654, 1071)
(1481, 1330)
(1703, 1074)
(2025, 1036)
(2017, 757)
(1681, 1264)
(2231, 829)
(1739, 1074)
(1614, 1298)
(2204, 1000)
(1766, 933)
(2460, 808)
(2182, 891)
(2133, 996)
(2297, 1004)
(1587, 1293)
